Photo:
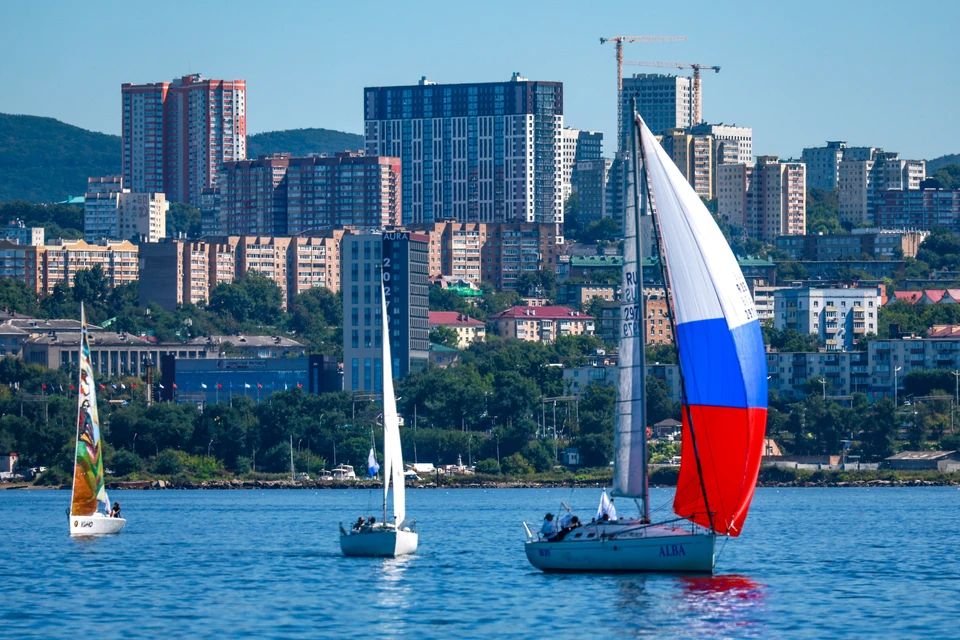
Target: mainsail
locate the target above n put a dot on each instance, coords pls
(722, 359)
(88, 486)
(392, 457)
(630, 431)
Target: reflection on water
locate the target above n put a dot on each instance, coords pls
(721, 605)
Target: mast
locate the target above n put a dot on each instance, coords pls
(638, 168)
(292, 474)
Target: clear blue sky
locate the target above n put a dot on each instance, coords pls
(872, 73)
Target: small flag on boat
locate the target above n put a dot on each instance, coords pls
(114, 386)
(299, 385)
(123, 386)
(259, 386)
(44, 387)
(61, 387)
(72, 387)
(372, 467)
(203, 385)
(174, 385)
(161, 386)
(219, 386)
(246, 386)
(134, 386)
(103, 386)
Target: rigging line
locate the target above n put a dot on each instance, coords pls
(641, 321)
(673, 324)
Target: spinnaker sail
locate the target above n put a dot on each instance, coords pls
(88, 483)
(722, 358)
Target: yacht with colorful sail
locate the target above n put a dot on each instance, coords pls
(396, 537)
(89, 491)
(723, 386)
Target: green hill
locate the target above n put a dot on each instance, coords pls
(302, 142)
(45, 160)
(942, 161)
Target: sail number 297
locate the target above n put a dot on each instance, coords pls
(631, 320)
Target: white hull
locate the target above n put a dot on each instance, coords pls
(625, 546)
(379, 543)
(95, 525)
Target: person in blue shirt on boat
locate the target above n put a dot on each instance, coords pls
(549, 528)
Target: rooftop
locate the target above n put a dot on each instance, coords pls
(247, 341)
(546, 313)
(453, 318)
(922, 455)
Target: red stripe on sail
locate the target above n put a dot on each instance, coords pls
(730, 445)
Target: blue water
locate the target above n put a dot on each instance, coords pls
(812, 563)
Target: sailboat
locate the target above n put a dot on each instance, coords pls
(396, 537)
(89, 492)
(723, 390)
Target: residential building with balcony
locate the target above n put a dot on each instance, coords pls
(837, 316)
(866, 173)
(766, 199)
(541, 324)
(926, 208)
(468, 330)
(176, 135)
(876, 244)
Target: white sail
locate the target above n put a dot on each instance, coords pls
(392, 456)
(630, 434)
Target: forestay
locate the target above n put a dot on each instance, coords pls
(722, 357)
(88, 484)
(392, 455)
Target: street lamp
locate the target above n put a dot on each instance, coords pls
(298, 444)
(895, 385)
(824, 384)
(208, 447)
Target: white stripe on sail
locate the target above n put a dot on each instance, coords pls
(392, 455)
(706, 280)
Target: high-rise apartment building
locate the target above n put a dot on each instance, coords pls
(177, 134)
(823, 165)
(398, 260)
(486, 152)
(693, 155)
(577, 146)
(283, 195)
(766, 199)
(732, 144)
(345, 190)
(864, 173)
(593, 176)
(663, 101)
(111, 212)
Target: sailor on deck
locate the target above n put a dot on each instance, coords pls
(549, 528)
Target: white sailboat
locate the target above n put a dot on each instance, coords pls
(89, 491)
(395, 537)
(724, 391)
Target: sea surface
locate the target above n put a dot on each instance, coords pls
(812, 563)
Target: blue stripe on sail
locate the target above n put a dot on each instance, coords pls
(723, 368)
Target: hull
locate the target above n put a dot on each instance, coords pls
(625, 548)
(380, 543)
(95, 525)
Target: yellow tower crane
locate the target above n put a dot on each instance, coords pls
(619, 40)
(697, 116)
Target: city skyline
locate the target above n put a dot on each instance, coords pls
(797, 78)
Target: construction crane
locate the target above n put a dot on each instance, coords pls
(619, 40)
(697, 111)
